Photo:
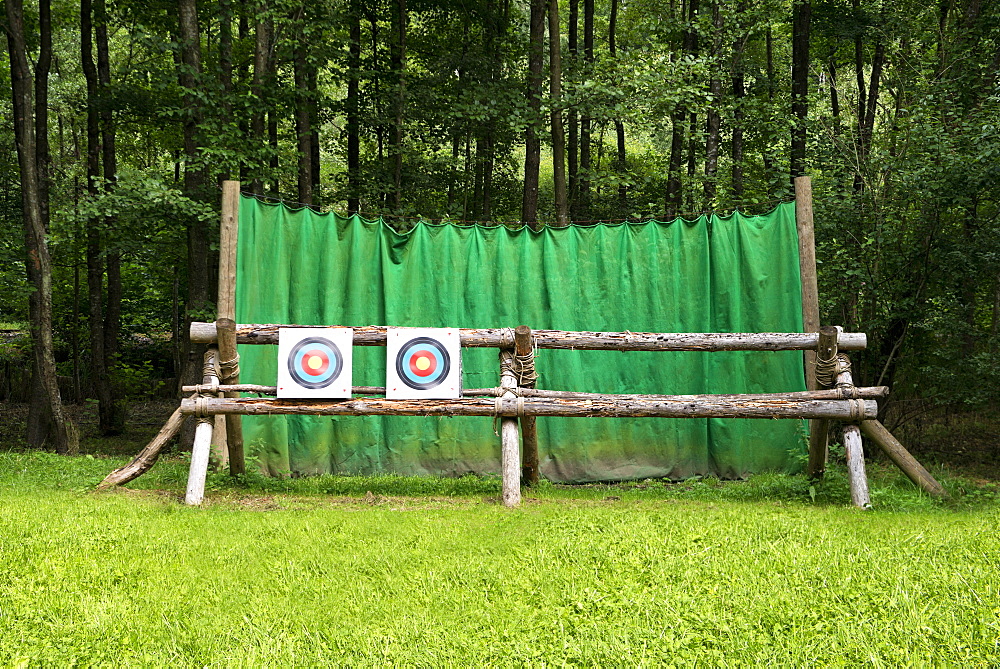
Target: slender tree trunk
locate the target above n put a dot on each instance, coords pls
(99, 376)
(39, 419)
(111, 417)
(767, 156)
(713, 122)
(303, 122)
(261, 67)
(800, 85)
(272, 142)
(38, 264)
(572, 116)
(739, 93)
(226, 68)
(692, 159)
(620, 164)
(532, 143)
(831, 68)
(555, 117)
(398, 56)
(677, 119)
(586, 123)
(353, 111)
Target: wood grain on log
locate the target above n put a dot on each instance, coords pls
(199, 464)
(375, 335)
(710, 406)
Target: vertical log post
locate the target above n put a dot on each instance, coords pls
(228, 235)
(525, 359)
(807, 269)
(202, 438)
(819, 429)
(510, 457)
(854, 452)
(810, 291)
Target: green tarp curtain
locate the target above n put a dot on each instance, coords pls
(715, 274)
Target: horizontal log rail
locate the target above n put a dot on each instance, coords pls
(867, 393)
(375, 335)
(691, 406)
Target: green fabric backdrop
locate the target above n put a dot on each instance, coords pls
(734, 274)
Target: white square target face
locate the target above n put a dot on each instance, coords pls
(423, 363)
(315, 362)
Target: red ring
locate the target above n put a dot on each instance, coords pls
(322, 368)
(422, 372)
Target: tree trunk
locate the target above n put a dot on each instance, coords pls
(99, 377)
(739, 93)
(677, 119)
(261, 67)
(586, 123)
(555, 116)
(353, 112)
(303, 122)
(800, 85)
(572, 116)
(398, 57)
(713, 118)
(532, 143)
(38, 264)
(620, 165)
(768, 158)
(111, 416)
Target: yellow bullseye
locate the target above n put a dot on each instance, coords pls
(422, 363)
(314, 362)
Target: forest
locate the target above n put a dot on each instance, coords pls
(122, 119)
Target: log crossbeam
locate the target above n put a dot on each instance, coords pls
(375, 335)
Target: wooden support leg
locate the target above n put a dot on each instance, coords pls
(510, 462)
(147, 457)
(826, 351)
(856, 467)
(199, 463)
(901, 457)
(510, 452)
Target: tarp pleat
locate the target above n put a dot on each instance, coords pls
(732, 274)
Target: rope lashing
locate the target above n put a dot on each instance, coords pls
(523, 366)
(230, 369)
(211, 367)
(827, 370)
(501, 407)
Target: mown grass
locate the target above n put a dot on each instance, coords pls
(432, 572)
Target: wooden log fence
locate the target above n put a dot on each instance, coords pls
(375, 335)
(622, 406)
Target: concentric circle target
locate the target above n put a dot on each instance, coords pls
(315, 362)
(423, 363)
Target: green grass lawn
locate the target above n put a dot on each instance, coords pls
(432, 572)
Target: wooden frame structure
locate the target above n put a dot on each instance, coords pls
(515, 403)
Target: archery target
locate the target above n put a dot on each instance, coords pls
(423, 363)
(315, 362)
